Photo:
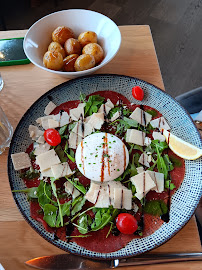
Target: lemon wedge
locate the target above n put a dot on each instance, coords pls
(180, 147)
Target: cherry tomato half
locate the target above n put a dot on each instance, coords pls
(52, 136)
(137, 93)
(126, 223)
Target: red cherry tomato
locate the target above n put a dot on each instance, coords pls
(137, 93)
(126, 223)
(52, 136)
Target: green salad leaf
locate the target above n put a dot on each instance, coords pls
(50, 214)
(169, 183)
(77, 185)
(93, 104)
(44, 197)
(31, 192)
(156, 207)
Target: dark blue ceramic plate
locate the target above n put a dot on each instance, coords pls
(184, 201)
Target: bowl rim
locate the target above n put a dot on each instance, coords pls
(74, 73)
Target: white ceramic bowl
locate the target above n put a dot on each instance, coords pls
(38, 36)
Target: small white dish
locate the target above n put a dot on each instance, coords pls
(38, 36)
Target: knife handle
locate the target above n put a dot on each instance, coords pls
(157, 258)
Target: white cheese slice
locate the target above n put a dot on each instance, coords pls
(82, 131)
(93, 192)
(115, 116)
(47, 173)
(158, 136)
(74, 140)
(158, 179)
(76, 113)
(127, 199)
(96, 120)
(145, 159)
(45, 124)
(63, 118)
(143, 182)
(118, 198)
(41, 148)
(49, 108)
(40, 140)
(61, 170)
(106, 107)
(70, 189)
(35, 132)
(135, 136)
(160, 123)
(43, 118)
(52, 123)
(147, 141)
(21, 161)
(142, 117)
(140, 169)
(47, 159)
(103, 198)
(111, 193)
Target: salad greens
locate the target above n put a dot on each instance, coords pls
(60, 209)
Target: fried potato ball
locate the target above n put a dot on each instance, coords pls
(61, 34)
(84, 61)
(72, 46)
(87, 37)
(53, 60)
(69, 62)
(55, 46)
(95, 50)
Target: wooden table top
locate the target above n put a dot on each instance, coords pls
(25, 84)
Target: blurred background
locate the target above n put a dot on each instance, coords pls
(176, 27)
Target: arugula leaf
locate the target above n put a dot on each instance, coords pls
(132, 187)
(32, 155)
(30, 174)
(160, 145)
(71, 126)
(161, 166)
(176, 161)
(65, 211)
(93, 104)
(78, 206)
(43, 198)
(77, 185)
(105, 216)
(50, 214)
(59, 151)
(71, 154)
(58, 202)
(113, 111)
(82, 97)
(152, 112)
(83, 224)
(62, 130)
(31, 192)
(124, 124)
(136, 158)
(168, 163)
(172, 185)
(156, 207)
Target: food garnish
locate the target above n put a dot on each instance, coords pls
(138, 93)
(180, 147)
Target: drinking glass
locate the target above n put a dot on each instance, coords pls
(6, 131)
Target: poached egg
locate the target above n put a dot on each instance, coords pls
(102, 157)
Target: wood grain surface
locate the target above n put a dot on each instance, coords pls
(25, 84)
